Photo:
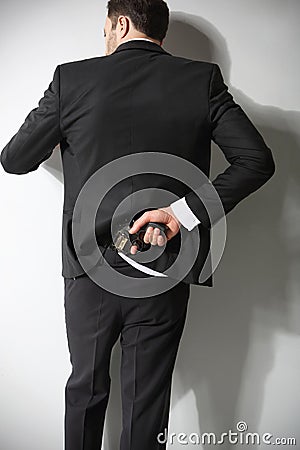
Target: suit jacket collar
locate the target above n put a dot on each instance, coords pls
(139, 44)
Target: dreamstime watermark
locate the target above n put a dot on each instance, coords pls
(241, 436)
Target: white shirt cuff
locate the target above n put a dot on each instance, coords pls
(184, 214)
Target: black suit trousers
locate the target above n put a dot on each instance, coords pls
(150, 330)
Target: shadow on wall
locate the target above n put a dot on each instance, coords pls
(254, 286)
(219, 354)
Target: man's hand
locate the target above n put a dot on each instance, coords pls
(152, 235)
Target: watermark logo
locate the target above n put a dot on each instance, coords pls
(108, 176)
(240, 436)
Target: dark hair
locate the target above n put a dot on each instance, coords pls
(150, 17)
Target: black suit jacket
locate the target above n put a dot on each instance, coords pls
(138, 99)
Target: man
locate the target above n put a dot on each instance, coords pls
(137, 97)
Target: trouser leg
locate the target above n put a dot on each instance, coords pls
(150, 337)
(93, 324)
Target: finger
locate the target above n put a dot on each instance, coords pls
(149, 216)
(148, 235)
(133, 249)
(155, 235)
(161, 241)
(139, 223)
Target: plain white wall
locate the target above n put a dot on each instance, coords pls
(239, 357)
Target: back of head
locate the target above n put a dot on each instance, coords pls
(150, 17)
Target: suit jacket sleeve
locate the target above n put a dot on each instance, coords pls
(251, 161)
(38, 136)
